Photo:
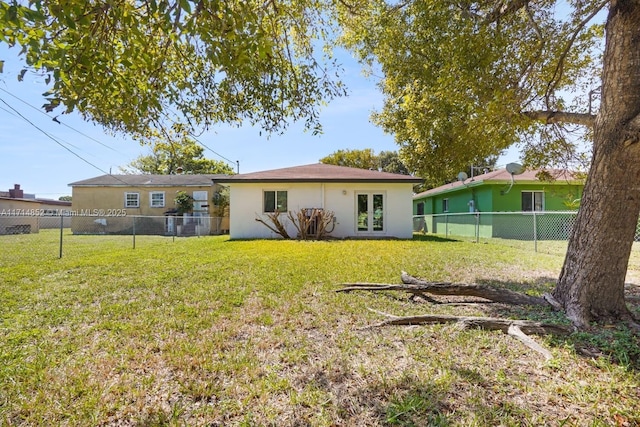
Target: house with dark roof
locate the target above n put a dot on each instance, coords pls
(533, 191)
(106, 204)
(365, 203)
(23, 213)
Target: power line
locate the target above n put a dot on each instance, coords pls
(60, 143)
(233, 162)
(236, 162)
(55, 119)
(9, 112)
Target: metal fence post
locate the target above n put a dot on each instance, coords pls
(535, 232)
(134, 231)
(477, 227)
(61, 228)
(446, 225)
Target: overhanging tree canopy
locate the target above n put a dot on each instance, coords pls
(136, 65)
(462, 80)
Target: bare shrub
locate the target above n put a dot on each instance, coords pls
(311, 223)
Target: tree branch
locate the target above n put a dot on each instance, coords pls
(551, 117)
(488, 292)
(486, 323)
(559, 71)
(516, 332)
(504, 8)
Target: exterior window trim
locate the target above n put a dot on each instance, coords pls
(151, 194)
(127, 203)
(445, 205)
(275, 201)
(533, 202)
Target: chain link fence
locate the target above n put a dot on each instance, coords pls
(57, 234)
(549, 228)
(548, 231)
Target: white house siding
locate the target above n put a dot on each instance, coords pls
(246, 206)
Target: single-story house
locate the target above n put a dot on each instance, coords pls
(22, 213)
(365, 203)
(107, 204)
(498, 191)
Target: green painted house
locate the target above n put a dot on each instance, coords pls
(525, 197)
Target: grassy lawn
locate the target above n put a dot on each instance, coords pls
(207, 331)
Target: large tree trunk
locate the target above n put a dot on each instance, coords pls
(591, 284)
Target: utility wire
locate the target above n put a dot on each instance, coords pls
(217, 154)
(55, 119)
(18, 115)
(233, 162)
(60, 143)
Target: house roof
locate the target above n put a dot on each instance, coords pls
(184, 180)
(38, 201)
(319, 172)
(501, 177)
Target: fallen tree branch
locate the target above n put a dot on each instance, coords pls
(486, 323)
(420, 287)
(349, 287)
(515, 328)
(516, 332)
(483, 291)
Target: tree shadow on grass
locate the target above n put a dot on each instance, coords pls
(407, 401)
(617, 343)
(432, 238)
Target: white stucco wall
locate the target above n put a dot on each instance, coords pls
(246, 205)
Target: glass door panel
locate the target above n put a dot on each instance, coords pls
(370, 212)
(378, 212)
(363, 212)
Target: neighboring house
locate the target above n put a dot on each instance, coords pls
(22, 213)
(498, 191)
(107, 204)
(365, 203)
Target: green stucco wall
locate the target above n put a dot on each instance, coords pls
(496, 198)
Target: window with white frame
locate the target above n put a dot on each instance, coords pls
(131, 200)
(156, 199)
(445, 205)
(274, 201)
(532, 201)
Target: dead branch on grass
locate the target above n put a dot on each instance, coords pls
(420, 288)
(520, 329)
(469, 322)
(516, 331)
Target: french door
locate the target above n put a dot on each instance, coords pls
(370, 213)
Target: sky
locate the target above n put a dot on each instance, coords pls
(81, 150)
